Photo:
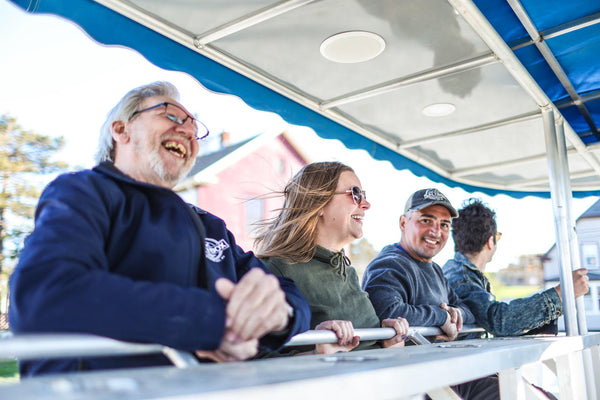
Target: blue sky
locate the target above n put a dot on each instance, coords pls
(56, 80)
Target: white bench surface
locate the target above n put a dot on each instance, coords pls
(382, 373)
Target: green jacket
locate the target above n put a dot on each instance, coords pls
(330, 284)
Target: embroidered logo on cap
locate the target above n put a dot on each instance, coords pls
(434, 194)
(214, 249)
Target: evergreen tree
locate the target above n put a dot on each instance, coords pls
(25, 160)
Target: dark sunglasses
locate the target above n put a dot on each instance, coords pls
(358, 195)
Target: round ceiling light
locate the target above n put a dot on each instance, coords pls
(438, 109)
(352, 47)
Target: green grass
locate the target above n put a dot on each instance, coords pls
(503, 292)
(9, 372)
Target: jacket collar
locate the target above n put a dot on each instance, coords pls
(109, 169)
(462, 259)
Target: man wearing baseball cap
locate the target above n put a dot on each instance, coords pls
(403, 281)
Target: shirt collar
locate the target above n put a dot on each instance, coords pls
(462, 259)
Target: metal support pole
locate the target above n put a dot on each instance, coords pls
(570, 376)
(588, 364)
(180, 359)
(573, 244)
(512, 385)
(561, 224)
(417, 338)
(594, 352)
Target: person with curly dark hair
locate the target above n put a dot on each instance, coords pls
(476, 238)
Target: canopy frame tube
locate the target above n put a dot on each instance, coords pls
(561, 223)
(560, 187)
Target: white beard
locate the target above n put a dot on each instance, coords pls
(157, 165)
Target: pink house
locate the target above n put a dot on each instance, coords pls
(228, 181)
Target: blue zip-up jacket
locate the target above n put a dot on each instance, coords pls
(502, 319)
(131, 261)
(400, 286)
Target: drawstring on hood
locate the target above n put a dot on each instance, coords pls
(337, 260)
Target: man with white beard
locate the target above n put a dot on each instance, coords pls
(115, 252)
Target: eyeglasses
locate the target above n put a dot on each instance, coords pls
(498, 236)
(175, 113)
(358, 195)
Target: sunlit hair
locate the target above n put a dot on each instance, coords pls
(293, 233)
(475, 224)
(123, 111)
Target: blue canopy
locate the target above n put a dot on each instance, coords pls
(434, 55)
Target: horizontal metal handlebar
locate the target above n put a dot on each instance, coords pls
(416, 334)
(328, 336)
(64, 345)
(30, 346)
(43, 345)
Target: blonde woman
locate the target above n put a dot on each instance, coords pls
(323, 211)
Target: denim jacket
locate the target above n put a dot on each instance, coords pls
(518, 317)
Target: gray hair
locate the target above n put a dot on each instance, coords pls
(123, 111)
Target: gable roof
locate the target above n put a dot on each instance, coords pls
(209, 165)
(206, 160)
(592, 212)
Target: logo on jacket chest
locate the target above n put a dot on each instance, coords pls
(214, 249)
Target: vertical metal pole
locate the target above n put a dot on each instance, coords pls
(569, 371)
(512, 385)
(594, 354)
(573, 244)
(561, 225)
(588, 364)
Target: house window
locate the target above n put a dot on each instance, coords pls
(279, 165)
(254, 213)
(591, 300)
(589, 255)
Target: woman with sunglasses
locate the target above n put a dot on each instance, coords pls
(323, 211)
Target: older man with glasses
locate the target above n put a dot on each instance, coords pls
(475, 241)
(115, 252)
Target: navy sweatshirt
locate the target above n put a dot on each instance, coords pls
(131, 261)
(400, 286)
